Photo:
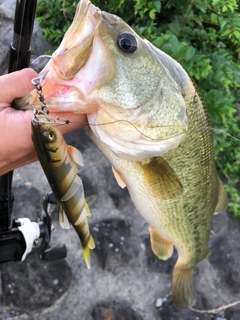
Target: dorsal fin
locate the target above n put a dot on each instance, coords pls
(222, 198)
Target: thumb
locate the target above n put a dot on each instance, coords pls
(16, 84)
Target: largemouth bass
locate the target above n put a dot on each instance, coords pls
(146, 116)
(59, 162)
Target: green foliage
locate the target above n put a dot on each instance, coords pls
(55, 17)
(204, 37)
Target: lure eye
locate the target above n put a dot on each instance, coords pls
(127, 42)
(50, 137)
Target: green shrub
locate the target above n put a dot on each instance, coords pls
(204, 37)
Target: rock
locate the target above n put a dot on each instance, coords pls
(219, 222)
(5, 31)
(7, 9)
(232, 315)
(156, 265)
(89, 190)
(113, 245)
(169, 312)
(79, 139)
(112, 310)
(31, 200)
(41, 283)
(38, 44)
(120, 197)
(225, 255)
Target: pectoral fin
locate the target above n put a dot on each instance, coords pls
(76, 155)
(119, 178)
(222, 198)
(162, 248)
(161, 181)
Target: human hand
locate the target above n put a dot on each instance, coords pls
(15, 125)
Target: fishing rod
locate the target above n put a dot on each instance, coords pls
(17, 238)
(19, 58)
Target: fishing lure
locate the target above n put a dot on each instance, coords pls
(60, 165)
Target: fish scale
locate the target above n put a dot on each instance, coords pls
(196, 147)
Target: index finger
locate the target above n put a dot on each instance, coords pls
(15, 85)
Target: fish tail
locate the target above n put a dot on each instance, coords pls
(183, 292)
(86, 252)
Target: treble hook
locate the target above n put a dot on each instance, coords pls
(40, 116)
(38, 80)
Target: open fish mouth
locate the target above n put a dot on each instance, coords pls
(66, 83)
(132, 93)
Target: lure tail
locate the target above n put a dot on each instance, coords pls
(183, 292)
(86, 252)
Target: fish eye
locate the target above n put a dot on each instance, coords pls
(127, 42)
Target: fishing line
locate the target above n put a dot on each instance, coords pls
(215, 130)
(115, 121)
(224, 131)
(62, 121)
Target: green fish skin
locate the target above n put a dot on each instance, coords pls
(148, 119)
(177, 193)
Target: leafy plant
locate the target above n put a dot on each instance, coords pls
(204, 37)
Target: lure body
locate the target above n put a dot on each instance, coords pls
(60, 165)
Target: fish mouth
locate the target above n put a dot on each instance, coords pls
(60, 87)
